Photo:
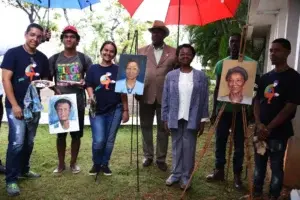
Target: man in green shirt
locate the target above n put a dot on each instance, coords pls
(224, 125)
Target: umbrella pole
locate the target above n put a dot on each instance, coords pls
(179, 16)
(48, 22)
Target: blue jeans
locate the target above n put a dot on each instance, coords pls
(104, 131)
(21, 140)
(276, 150)
(222, 134)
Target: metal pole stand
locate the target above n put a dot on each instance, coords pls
(135, 107)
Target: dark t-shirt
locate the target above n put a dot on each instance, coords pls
(26, 68)
(274, 91)
(102, 80)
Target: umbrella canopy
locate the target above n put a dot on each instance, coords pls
(72, 4)
(181, 12)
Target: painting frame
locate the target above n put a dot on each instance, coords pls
(63, 114)
(131, 74)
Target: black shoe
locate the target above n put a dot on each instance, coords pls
(106, 171)
(2, 169)
(238, 184)
(162, 166)
(94, 170)
(147, 162)
(216, 175)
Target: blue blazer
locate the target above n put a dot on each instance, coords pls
(199, 99)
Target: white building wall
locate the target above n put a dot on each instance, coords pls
(292, 30)
(296, 121)
(281, 22)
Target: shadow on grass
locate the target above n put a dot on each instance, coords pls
(121, 185)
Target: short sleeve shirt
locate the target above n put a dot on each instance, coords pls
(103, 81)
(275, 90)
(26, 68)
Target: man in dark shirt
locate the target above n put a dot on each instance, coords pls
(224, 125)
(20, 66)
(274, 108)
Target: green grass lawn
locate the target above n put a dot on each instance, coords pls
(121, 185)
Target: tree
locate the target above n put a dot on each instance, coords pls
(33, 12)
(36, 13)
(211, 41)
(122, 28)
(114, 24)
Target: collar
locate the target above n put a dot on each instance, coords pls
(159, 48)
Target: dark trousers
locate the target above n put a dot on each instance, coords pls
(147, 112)
(276, 150)
(222, 134)
(1, 115)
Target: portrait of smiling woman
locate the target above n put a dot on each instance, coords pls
(134, 72)
(236, 79)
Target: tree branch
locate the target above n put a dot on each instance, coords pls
(34, 11)
(22, 7)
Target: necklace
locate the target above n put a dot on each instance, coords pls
(129, 90)
(28, 51)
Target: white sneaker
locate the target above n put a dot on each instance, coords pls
(58, 171)
(76, 169)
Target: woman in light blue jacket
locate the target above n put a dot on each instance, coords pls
(184, 112)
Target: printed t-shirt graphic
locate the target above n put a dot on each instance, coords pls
(68, 72)
(270, 91)
(105, 80)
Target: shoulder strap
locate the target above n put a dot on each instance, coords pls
(84, 65)
(55, 57)
(83, 62)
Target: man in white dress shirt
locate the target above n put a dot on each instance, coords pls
(160, 60)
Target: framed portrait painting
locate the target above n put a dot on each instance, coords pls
(237, 82)
(131, 74)
(63, 114)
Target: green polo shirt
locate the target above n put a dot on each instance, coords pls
(218, 72)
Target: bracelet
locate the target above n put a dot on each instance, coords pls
(125, 110)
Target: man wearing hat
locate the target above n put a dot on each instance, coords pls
(68, 69)
(160, 60)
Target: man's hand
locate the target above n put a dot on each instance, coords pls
(167, 128)
(17, 111)
(47, 34)
(213, 118)
(125, 116)
(201, 128)
(57, 91)
(262, 131)
(79, 84)
(91, 100)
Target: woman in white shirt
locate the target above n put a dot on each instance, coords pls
(184, 112)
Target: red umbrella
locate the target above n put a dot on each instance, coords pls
(183, 12)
